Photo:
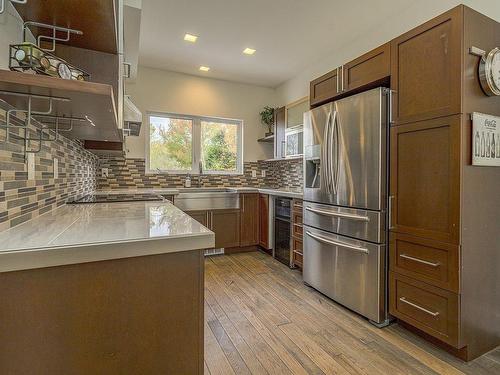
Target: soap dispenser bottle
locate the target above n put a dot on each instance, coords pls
(187, 182)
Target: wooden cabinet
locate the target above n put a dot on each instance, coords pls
(442, 237)
(264, 221)
(324, 88)
(226, 226)
(224, 223)
(373, 66)
(297, 233)
(249, 220)
(425, 178)
(426, 69)
(200, 216)
(279, 132)
(369, 70)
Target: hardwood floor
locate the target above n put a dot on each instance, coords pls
(261, 319)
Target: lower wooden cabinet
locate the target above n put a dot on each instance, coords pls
(200, 216)
(426, 307)
(297, 234)
(226, 226)
(249, 220)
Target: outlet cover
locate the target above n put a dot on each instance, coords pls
(263, 173)
(254, 174)
(104, 172)
(56, 168)
(31, 166)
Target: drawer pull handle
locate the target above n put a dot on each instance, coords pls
(338, 243)
(420, 260)
(298, 225)
(432, 313)
(338, 214)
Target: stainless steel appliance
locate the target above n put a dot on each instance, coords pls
(282, 229)
(345, 202)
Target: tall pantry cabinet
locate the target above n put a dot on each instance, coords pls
(445, 213)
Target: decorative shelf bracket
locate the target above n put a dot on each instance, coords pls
(51, 38)
(2, 4)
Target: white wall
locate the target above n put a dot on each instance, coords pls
(11, 27)
(162, 91)
(419, 12)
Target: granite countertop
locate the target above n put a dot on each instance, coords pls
(93, 232)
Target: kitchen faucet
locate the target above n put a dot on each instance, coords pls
(200, 172)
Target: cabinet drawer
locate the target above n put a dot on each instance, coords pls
(297, 217)
(430, 261)
(431, 309)
(297, 244)
(297, 205)
(297, 230)
(298, 259)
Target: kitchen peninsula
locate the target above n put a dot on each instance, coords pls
(116, 267)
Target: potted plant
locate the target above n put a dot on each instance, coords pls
(267, 119)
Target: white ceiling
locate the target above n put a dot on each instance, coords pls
(288, 35)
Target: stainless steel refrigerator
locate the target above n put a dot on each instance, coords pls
(345, 202)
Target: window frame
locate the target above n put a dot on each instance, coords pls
(196, 143)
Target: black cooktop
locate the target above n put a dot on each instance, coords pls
(120, 197)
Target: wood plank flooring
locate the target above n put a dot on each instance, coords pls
(261, 319)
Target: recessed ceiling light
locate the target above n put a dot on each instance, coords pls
(248, 51)
(190, 38)
(204, 68)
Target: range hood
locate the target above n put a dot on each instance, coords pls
(132, 118)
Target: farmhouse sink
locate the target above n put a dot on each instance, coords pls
(196, 199)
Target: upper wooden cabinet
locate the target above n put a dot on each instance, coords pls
(425, 178)
(371, 67)
(324, 88)
(249, 221)
(279, 132)
(426, 69)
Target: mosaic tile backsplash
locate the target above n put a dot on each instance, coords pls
(22, 199)
(131, 174)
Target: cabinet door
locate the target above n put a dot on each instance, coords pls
(249, 227)
(369, 68)
(279, 132)
(425, 179)
(426, 69)
(200, 216)
(226, 226)
(324, 88)
(264, 221)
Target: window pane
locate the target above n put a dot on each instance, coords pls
(219, 146)
(170, 143)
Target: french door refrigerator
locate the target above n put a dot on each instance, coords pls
(345, 202)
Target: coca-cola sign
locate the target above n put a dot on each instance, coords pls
(485, 140)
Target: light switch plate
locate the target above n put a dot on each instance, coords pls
(254, 174)
(104, 172)
(31, 166)
(56, 168)
(263, 173)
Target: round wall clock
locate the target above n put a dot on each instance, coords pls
(489, 72)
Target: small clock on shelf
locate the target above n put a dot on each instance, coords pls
(489, 72)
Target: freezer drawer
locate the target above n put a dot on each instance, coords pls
(350, 272)
(362, 224)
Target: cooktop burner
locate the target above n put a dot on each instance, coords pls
(120, 197)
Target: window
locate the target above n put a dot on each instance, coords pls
(178, 144)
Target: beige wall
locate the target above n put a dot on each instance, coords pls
(162, 91)
(421, 11)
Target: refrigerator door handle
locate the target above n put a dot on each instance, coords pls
(335, 140)
(325, 156)
(338, 214)
(391, 197)
(332, 177)
(337, 243)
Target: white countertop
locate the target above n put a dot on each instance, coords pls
(93, 232)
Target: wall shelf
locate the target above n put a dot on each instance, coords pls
(96, 18)
(88, 100)
(268, 139)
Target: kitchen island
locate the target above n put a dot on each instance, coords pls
(103, 288)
